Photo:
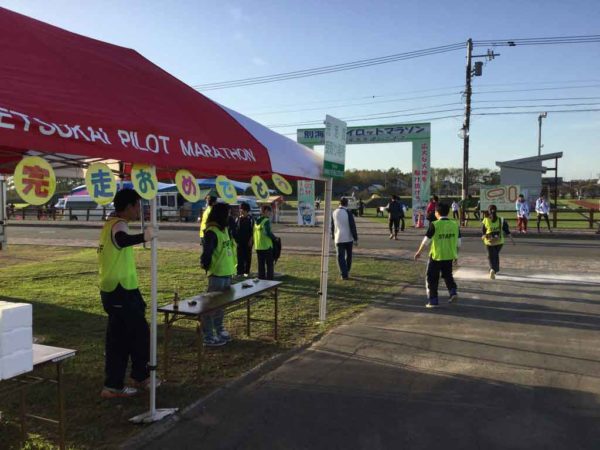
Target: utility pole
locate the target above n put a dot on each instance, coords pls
(466, 124)
(540, 117)
(464, 134)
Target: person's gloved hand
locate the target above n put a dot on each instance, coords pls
(149, 233)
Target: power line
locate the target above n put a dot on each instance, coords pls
(506, 113)
(393, 114)
(329, 69)
(594, 38)
(261, 111)
(395, 57)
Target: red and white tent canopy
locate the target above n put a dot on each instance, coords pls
(70, 95)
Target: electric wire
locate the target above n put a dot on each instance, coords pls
(330, 69)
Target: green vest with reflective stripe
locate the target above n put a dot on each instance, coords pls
(204, 220)
(493, 227)
(224, 258)
(117, 266)
(444, 245)
(261, 240)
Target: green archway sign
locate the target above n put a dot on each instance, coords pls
(417, 133)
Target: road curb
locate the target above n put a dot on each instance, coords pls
(153, 431)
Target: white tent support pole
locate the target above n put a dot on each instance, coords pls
(153, 415)
(154, 294)
(2, 212)
(325, 251)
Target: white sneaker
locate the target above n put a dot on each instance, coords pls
(126, 392)
(224, 335)
(492, 274)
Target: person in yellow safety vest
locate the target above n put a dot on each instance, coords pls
(211, 201)
(219, 260)
(444, 236)
(127, 332)
(493, 231)
(263, 242)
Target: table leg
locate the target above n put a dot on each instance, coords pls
(23, 411)
(248, 317)
(166, 345)
(200, 343)
(275, 322)
(61, 405)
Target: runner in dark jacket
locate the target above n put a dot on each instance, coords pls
(395, 215)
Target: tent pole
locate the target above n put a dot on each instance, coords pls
(325, 251)
(154, 291)
(3, 216)
(153, 414)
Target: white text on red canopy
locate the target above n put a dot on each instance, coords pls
(154, 143)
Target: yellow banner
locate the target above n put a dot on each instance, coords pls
(100, 183)
(282, 184)
(260, 188)
(187, 185)
(225, 189)
(34, 180)
(143, 177)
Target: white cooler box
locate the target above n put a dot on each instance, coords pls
(16, 339)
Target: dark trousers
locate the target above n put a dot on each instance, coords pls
(434, 268)
(455, 215)
(244, 258)
(494, 257)
(266, 264)
(344, 258)
(127, 336)
(539, 219)
(395, 224)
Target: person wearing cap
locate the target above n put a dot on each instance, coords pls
(127, 331)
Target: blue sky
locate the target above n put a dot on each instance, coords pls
(202, 42)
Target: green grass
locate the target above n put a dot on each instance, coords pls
(61, 284)
(566, 220)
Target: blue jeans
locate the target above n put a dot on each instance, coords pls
(213, 323)
(344, 257)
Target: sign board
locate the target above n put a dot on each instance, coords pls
(503, 196)
(306, 203)
(335, 147)
(421, 174)
(371, 134)
(419, 134)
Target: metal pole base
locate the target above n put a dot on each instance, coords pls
(148, 417)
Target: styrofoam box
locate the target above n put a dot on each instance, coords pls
(15, 340)
(16, 364)
(15, 315)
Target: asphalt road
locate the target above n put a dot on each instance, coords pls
(372, 236)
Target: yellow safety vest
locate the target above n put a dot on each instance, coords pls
(224, 259)
(444, 244)
(261, 240)
(493, 227)
(204, 220)
(117, 266)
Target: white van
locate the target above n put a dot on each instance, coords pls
(81, 207)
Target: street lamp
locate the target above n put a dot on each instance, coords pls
(540, 117)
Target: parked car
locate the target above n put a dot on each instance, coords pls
(81, 207)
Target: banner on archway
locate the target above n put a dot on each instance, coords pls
(419, 134)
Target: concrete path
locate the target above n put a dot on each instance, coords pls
(515, 365)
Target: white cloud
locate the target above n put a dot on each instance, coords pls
(257, 61)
